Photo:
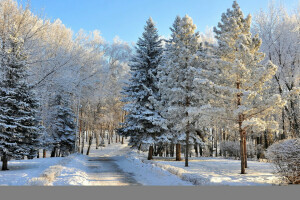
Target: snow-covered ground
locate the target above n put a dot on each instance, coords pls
(22, 171)
(117, 164)
(217, 171)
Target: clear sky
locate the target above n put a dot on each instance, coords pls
(126, 18)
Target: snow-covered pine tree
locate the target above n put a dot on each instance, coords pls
(235, 83)
(142, 120)
(176, 81)
(19, 124)
(62, 126)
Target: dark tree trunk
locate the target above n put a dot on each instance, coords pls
(53, 152)
(196, 150)
(122, 139)
(38, 154)
(167, 151)
(172, 150)
(178, 152)
(89, 147)
(200, 149)
(4, 162)
(150, 153)
(44, 153)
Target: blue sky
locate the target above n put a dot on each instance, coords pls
(126, 18)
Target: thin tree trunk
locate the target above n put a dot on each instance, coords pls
(122, 139)
(150, 153)
(44, 153)
(38, 154)
(4, 162)
(90, 144)
(245, 151)
(53, 152)
(200, 149)
(97, 140)
(216, 145)
(178, 152)
(196, 150)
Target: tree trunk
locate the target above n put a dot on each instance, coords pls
(245, 152)
(97, 140)
(116, 138)
(150, 153)
(38, 154)
(4, 162)
(172, 150)
(178, 152)
(196, 150)
(44, 153)
(90, 144)
(167, 151)
(200, 149)
(122, 139)
(216, 146)
(53, 152)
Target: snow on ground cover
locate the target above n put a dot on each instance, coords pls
(217, 171)
(22, 171)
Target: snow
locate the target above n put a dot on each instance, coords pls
(120, 157)
(119, 165)
(217, 171)
(22, 171)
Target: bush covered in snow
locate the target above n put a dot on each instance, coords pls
(285, 155)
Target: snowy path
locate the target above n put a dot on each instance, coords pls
(101, 171)
(111, 166)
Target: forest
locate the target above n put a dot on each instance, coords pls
(231, 92)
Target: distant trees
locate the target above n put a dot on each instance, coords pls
(77, 69)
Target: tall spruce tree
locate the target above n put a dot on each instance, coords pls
(236, 83)
(19, 124)
(177, 75)
(142, 120)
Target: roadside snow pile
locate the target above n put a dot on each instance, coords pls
(181, 173)
(148, 173)
(74, 173)
(49, 175)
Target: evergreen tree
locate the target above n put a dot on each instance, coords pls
(62, 126)
(19, 125)
(176, 82)
(235, 83)
(142, 120)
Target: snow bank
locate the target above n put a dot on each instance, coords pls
(49, 175)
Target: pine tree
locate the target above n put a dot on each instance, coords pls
(62, 126)
(19, 124)
(176, 82)
(142, 120)
(235, 81)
